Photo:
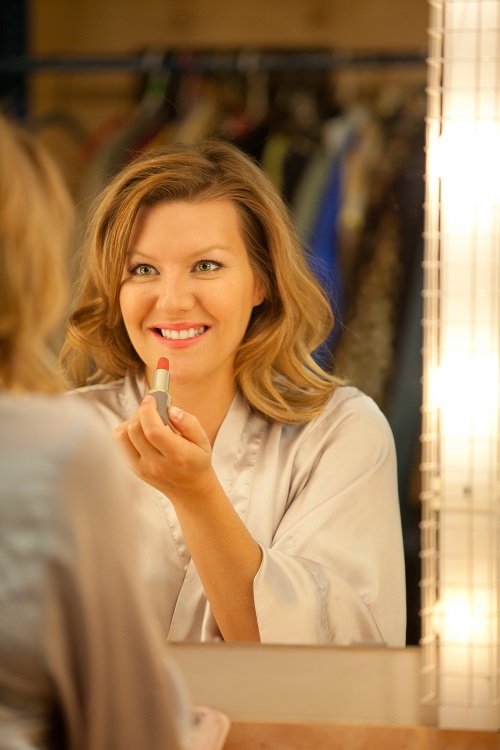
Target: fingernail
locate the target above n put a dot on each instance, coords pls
(148, 399)
(175, 412)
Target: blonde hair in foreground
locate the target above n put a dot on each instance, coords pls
(274, 368)
(35, 219)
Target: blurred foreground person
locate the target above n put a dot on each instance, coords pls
(82, 665)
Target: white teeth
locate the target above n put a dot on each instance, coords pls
(185, 333)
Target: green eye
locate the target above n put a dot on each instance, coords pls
(205, 266)
(142, 269)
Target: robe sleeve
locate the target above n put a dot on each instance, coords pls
(334, 572)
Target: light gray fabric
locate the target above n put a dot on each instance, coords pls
(76, 628)
(320, 499)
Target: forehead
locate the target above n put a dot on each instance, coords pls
(218, 217)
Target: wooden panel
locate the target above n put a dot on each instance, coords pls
(243, 736)
(125, 25)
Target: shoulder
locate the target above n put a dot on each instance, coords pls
(46, 425)
(349, 403)
(350, 420)
(99, 392)
(44, 419)
(347, 406)
(42, 438)
(56, 445)
(115, 401)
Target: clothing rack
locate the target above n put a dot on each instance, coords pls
(243, 61)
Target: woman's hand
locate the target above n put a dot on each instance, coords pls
(175, 461)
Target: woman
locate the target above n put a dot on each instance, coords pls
(82, 663)
(277, 483)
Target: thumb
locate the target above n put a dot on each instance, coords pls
(188, 426)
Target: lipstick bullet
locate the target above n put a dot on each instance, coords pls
(159, 389)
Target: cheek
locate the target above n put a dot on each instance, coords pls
(244, 303)
(132, 306)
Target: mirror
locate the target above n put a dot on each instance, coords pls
(369, 90)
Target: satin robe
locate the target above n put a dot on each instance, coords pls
(78, 641)
(320, 499)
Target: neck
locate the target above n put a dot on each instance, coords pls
(209, 406)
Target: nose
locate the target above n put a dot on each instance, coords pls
(174, 294)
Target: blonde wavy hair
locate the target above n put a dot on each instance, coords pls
(273, 366)
(36, 217)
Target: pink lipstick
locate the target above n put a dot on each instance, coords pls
(159, 389)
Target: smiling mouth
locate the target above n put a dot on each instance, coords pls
(185, 333)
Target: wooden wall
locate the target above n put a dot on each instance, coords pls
(123, 25)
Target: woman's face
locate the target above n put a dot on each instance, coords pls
(188, 290)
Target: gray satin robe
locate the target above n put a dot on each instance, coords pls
(76, 629)
(320, 499)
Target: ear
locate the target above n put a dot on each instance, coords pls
(259, 293)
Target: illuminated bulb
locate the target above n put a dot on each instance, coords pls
(462, 617)
(465, 389)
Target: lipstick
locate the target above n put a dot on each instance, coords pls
(159, 389)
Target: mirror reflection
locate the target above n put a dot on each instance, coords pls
(275, 479)
(274, 502)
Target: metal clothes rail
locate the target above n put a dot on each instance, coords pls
(243, 61)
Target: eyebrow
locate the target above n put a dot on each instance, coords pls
(134, 251)
(193, 254)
